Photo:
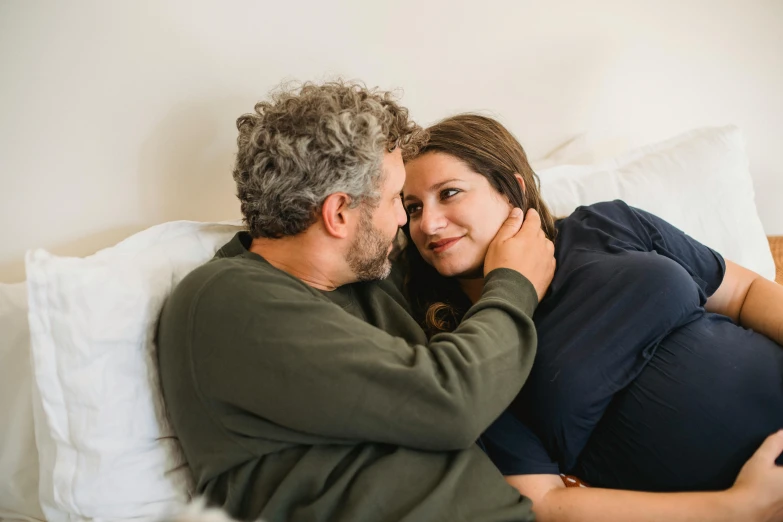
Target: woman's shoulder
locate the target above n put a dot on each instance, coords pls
(608, 224)
(617, 210)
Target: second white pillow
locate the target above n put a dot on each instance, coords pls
(698, 181)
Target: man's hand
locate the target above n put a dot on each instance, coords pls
(760, 482)
(523, 246)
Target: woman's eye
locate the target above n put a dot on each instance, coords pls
(413, 208)
(448, 193)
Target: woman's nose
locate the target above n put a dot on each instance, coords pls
(432, 220)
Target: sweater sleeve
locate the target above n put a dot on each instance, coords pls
(278, 352)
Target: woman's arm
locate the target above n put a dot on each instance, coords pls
(751, 300)
(757, 496)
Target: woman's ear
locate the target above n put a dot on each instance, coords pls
(521, 181)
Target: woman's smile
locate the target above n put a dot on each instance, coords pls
(443, 245)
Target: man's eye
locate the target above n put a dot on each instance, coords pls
(413, 208)
(448, 193)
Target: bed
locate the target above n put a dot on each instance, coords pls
(776, 247)
(85, 434)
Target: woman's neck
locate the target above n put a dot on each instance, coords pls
(472, 287)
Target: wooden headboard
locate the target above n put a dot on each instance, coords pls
(776, 245)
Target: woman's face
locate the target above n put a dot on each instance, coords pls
(454, 213)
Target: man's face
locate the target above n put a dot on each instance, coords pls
(368, 255)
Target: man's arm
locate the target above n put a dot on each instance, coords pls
(274, 350)
(751, 300)
(757, 496)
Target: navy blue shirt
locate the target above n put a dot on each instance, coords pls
(635, 385)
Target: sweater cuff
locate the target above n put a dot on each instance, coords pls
(511, 286)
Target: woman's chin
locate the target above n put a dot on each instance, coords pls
(450, 270)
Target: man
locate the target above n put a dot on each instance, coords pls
(296, 379)
(302, 390)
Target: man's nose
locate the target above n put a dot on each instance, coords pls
(402, 216)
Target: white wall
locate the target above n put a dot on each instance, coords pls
(118, 115)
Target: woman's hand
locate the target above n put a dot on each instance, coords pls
(757, 496)
(760, 482)
(523, 246)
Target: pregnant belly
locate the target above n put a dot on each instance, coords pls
(703, 404)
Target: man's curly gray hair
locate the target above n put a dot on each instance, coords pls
(311, 141)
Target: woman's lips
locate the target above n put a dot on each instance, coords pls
(444, 244)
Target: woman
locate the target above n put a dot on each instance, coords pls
(642, 380)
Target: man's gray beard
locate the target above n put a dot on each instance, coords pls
(368, 256)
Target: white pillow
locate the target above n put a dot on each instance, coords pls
(106, 448)
(18, 454)
(587, 148)
(698, 181)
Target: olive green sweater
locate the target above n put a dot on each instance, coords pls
(294, 404)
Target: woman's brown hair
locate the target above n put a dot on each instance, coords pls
(489, 149)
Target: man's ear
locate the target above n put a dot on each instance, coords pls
(521, 181)
(335, 214)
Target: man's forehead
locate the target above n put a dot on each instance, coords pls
(393, 170)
